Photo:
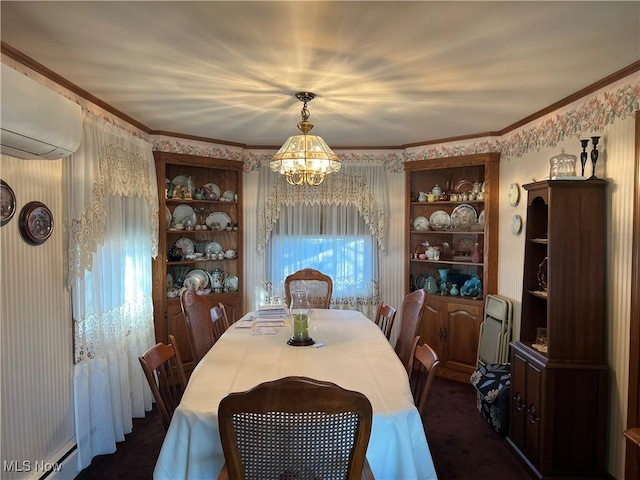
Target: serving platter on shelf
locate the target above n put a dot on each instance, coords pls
(184, 212)
(186, 245)
(439, 220)
(218, 220)
(421, 223)
(463, 216)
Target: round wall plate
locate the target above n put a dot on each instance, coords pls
(36, 223)
(516, 224)
(514, 194)
(7, 203)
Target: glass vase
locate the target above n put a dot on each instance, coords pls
(300, 310)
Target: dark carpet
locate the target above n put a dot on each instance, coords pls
(463, 446)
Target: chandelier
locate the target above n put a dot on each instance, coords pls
(305, 158)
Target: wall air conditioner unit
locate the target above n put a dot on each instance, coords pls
(36, 122)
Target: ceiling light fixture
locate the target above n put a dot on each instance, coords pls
(305, 158)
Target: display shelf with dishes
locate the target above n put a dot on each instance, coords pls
(451, 209)
(200, 234)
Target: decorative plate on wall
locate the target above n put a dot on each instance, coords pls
(36, 223)
(7, 202)
(514, 194)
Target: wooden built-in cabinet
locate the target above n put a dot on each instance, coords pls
(559, 395)
(451, 324)
(227, 176)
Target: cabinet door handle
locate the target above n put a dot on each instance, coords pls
(533, 415)
(440, 334)
(444, 334)
(518, 399)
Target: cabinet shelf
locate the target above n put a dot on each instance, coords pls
(191, 232)
(192, 262)
(539, 293)
(448, 232)
(541, 241)
(448, 202)
(176, 201)
(447, 262)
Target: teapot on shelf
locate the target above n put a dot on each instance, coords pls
(422, 197)
(217, 280)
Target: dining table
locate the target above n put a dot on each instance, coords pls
(349, 350)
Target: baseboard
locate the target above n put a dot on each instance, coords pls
(63, 465)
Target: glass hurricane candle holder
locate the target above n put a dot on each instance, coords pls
(300, 310)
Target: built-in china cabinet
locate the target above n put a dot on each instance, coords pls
(200, 240)
(559, 372)
(452, 251)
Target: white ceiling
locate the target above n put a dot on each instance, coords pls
(385, 73)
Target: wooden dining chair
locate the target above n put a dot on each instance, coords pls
(423, 374)
(385, 315)
(197, 317)
(410, 318)
(162, 365)
(219, 322)
(295, 428)
(319, 286)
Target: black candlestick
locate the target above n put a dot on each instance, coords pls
(584, 155)
(594, 157)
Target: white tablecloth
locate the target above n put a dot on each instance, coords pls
(356, 356)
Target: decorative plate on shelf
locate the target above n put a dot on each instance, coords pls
(201, 276)
(231, 283)
(463, 186)
(212, 188)
(213, 247)
(463, 216)
(218, 220)
(421, 223)
(167, 216)
(184, 212)
(186, 245)
(465, 244)
(481, 218)
(229, 196)
(439, 220)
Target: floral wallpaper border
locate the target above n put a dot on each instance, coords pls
(584, 117)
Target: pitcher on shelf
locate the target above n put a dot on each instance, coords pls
(217, 280)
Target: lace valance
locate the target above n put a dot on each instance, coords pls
(106, 165)
(340, 189)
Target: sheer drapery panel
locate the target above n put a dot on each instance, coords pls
(113, 226)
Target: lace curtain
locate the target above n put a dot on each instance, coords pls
(339, 228)
(113, 218)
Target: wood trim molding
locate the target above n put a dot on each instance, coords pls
(632, 460)
(41, 69)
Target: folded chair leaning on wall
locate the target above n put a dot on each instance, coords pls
(492, 378)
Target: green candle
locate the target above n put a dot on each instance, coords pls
(301, 326)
